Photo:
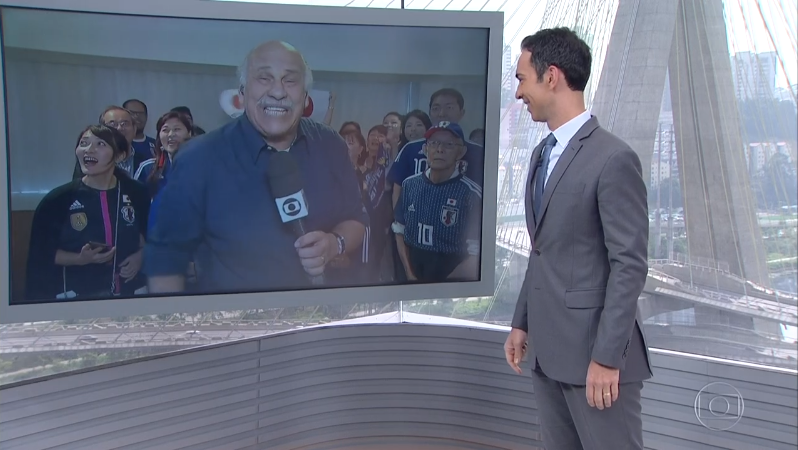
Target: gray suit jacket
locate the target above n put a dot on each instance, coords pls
(588, 263)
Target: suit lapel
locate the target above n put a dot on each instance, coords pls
(565, 160)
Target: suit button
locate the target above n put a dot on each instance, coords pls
(537, 252)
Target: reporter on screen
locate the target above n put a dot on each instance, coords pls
(87, 235)
(218, 207)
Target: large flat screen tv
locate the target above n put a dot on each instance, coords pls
(187, 156)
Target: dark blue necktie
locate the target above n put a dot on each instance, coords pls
(540, 173)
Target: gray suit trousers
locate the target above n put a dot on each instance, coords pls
(567, 422)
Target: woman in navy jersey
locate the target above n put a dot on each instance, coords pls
(87, 235)
(414, 126)
(174, 129)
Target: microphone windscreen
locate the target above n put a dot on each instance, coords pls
(283, 174)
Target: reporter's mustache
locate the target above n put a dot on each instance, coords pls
(267, 103)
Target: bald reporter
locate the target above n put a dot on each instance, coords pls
(219, 208)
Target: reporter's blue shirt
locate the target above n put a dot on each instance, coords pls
(218, 210)
(412, 161)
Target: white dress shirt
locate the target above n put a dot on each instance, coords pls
(564, 134)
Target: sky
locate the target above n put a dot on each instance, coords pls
(752, 25)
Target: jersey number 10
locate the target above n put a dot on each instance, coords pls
(424, 234)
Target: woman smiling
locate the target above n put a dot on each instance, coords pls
(87, 235)
(174, 128)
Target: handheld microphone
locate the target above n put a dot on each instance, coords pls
(285, 181)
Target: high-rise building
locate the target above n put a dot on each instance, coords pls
(508, 67)
(754, 75)
(508, 76)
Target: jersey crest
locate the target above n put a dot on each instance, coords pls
(129, 214)
(78, 221)
(449, 215)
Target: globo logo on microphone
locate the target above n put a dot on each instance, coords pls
(292, 207)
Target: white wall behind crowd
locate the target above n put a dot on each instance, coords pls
(63, 68)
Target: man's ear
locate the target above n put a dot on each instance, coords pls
(462, 152)
(552, 76)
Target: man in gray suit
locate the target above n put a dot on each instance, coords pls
(586, 212)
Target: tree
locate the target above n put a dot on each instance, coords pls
(768, 120)
(779, 183)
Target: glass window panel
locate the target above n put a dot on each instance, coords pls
(715, 310)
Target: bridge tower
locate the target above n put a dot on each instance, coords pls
(684, 41)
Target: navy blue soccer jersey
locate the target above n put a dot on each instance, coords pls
(145, 147)
(443, 218)
(412, 161)
(69, 217)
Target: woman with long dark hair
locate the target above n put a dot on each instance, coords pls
(174, 128)
(393, 126)
(350, 126)
(87, 235)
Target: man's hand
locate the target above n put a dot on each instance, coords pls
(315, 250)
(602, 385)
(514, 348)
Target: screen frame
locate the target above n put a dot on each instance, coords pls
(266, 12)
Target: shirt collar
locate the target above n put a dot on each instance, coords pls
(455, 173)
(254, 140)
(566, 131)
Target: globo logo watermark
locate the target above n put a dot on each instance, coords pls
(719, 406)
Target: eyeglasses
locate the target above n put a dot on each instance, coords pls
(448, 146)
(118, 125)
(437, 109)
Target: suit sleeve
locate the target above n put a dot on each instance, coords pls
(520, 319)
(623, 210)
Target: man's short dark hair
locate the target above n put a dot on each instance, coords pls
(129, 101)
(448, 92)
(183, 110)
(563, 49)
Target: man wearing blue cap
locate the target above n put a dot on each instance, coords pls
(438, 214)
